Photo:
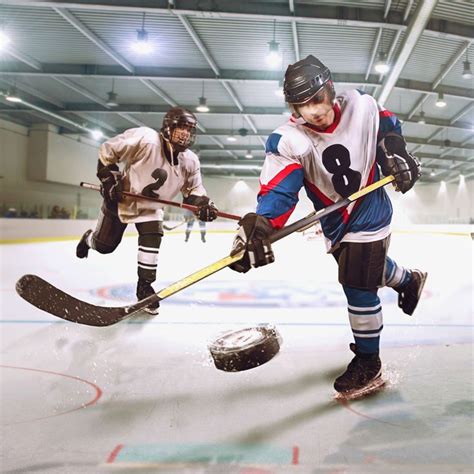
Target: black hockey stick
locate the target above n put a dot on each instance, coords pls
(166, 227)
(189, 207)
(48, 298)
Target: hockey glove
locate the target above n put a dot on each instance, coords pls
(396, 160)
(207, 211)
(253, 236)
(111, 180)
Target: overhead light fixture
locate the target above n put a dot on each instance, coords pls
(421, 118)
(142, 44)
(466, 72)
(248, 154)
(112, 97)
(432, 173)
(232, 137)
(12, 96)
(4, 40)
(97, 134)
(202, 107)
(274, 58)
(440, 102)
(381, 66)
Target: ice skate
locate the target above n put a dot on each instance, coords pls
(409, 295)
(144, 289)
(362, 377)
(82, 249)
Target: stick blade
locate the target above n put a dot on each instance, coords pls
(47, 297)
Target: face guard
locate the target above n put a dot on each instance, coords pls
(308, 79)
(179, 128)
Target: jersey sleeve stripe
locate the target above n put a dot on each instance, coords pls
(278, 178)
(280, 221)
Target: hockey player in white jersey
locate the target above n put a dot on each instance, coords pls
(334, 146)
(157, 164)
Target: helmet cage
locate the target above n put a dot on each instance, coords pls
(176, 118)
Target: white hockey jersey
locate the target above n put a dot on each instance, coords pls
(331, 165)
(140, 151)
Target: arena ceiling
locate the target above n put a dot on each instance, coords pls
(63, 59)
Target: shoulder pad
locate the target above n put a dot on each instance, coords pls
(148, 134)
(288, 141)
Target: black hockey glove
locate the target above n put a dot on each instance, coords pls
(111, 180)
(253, 236)
(207, 211)
(395, 159)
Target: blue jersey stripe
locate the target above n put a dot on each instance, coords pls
(283, 197)
(271, 146)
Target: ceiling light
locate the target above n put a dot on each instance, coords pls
(421, 119)
(202, 107)
(432, 173)
(273, 58)
(97, 134)
(440, 102)
(142, 45)
(4, 40)
(231, 138)
(12, 95)
(466, 72)
(111, 99)
(248, 154)
(381, 66)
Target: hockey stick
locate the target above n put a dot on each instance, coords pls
(48, 298)
(189, 207)
(175, 226)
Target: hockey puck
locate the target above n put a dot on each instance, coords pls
(235, 351)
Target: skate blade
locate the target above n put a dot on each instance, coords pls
(373, 387)
(143, 316)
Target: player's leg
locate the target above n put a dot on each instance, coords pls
(107, 235)
(361, 273)
(189, 226)
(149, 241)
(407, 283)
(202, 227)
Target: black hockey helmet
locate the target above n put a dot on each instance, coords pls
(305, 78)
(179, 117)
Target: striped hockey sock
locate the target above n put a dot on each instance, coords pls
(365, 316)
(395, 276)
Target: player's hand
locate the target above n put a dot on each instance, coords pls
(111, 184)
(207, 211)
(252, 237)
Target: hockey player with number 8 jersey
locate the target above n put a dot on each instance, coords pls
(334, 146)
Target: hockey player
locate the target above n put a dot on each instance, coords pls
(334, 146)
(190, 218)
(157, 164)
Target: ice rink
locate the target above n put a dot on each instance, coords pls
(145, 396)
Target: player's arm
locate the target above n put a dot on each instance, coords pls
(194, 194)
(281, 180)
(125, 147)
(392, 154)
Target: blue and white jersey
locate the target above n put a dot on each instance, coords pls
(331, 165)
